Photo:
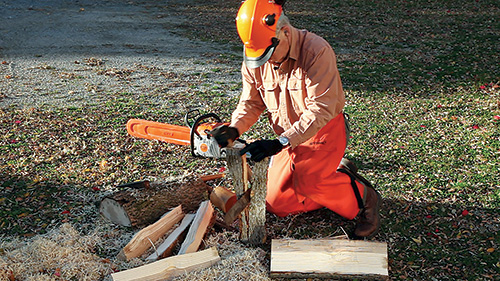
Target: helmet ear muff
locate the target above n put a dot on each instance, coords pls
(270, 20)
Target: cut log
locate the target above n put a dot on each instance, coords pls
(204, 218)
(253, 218)
(171, 267)
(140, 207)
(256, 232)
(327, 258)
(111, 209)
(144, 239)
(165, 249)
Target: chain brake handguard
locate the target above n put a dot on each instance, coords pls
(202, 144)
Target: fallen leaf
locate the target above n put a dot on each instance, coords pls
(490, 250)
(103, 165)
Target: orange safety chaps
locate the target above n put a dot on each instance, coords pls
(306, 178)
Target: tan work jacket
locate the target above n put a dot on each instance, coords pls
(301, 96)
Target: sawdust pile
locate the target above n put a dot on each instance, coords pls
(62, 254)
(65, 254)
(238, 262)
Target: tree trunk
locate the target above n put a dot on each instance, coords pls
(140, 207)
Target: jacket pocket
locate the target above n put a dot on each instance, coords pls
(269, 91)
(297, 89)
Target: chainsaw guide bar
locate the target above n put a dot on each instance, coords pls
(196, 134)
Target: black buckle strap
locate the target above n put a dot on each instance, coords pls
(354, 187)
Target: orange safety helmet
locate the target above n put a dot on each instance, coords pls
(256, 24)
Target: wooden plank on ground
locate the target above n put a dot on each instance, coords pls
(329, 258)
(165, 249)
(143, 239)
(198, 228)
(171, 267)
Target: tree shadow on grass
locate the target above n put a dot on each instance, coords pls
(30, 207)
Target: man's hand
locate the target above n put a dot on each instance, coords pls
(262, 148)
(223, 134)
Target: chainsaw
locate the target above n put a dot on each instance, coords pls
(196, 133)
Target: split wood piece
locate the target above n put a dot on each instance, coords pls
(140, 207)
(166, 248)
(171, 267)
(144, 239)
(252, 222)
(212, 177)
(238, 208)
(236, 165)
(329, 259)
(222, 198)
(203, 219)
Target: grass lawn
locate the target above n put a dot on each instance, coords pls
(422, 88)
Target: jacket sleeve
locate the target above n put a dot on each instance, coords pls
(324, 96)
(250, 106)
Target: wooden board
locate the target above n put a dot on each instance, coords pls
(198, 228)
(143, 239)
(329, 258)
(165, 249)
(171, 267)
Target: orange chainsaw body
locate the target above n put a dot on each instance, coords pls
(201, 143)
(165, 132)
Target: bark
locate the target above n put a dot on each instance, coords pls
(141, 206)
(253, 218)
